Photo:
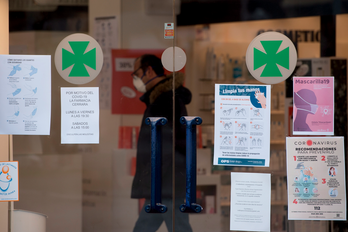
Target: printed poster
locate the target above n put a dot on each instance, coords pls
(313, 106)
(80, 115)
(242, 125)
(316, 178)
(25, 94)
(106, 33)
(9, 190)
(250, 202)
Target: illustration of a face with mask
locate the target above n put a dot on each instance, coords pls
(306, 103)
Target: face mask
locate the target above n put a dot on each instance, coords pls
(314, 107)
(139, 84)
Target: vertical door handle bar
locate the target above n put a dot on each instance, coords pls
(191, 164)
(155, 205)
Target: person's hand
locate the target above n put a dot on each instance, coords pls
(261, 98)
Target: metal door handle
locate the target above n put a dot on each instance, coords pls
(191, 165)
(155, 205)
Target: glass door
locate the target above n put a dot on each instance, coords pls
(150, 164)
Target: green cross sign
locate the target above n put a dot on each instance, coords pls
(79, 59)
(271, 58)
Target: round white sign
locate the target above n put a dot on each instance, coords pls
(167, 59)
(271, 57)
(78, 58)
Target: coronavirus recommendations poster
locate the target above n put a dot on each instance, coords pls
(242, 125)
(316, 178)
(313, 106)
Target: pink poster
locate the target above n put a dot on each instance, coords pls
(313, 106)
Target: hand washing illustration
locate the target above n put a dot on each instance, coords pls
(261, 98)
(15, 113)
(33, 71)
(242, 126)
(32, 114)
(29, 70)
(15, 90)
(32, 90)
(22, 70)
(227, 112)
(227, 125)
(256, 142)
(240, 113)
(15, 68)
(227, 141)
(242, 141)
(256, 127)
(257, 113)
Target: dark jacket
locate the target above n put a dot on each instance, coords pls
(159, 103)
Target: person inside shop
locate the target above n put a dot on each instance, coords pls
(149, 78)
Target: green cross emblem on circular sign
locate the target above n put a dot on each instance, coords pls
(271, 57)
(78, 58)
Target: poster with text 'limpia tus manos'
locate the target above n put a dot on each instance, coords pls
(242, 125)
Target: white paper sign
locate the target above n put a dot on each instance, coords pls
(242, 125)
(250, 202)
(316, 178)
(80, 115)
(25, 94)
(9, 181)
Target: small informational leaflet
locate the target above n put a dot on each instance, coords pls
(250, 202)
(80, 115)
(316, 178)
(313, 106)
(169, 30)
(242, 125)
(9, 190)
(25, 94)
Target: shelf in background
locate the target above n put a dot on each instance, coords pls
(280, 112)
(205, 110)
(203, 79)
(279, 202)
(277, 142)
